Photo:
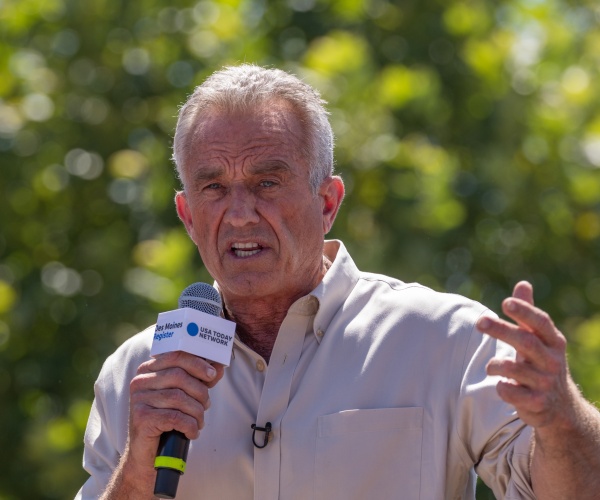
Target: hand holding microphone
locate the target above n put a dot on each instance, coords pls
(196, 327)
(171, 390)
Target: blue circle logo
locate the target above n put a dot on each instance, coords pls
(192, 329)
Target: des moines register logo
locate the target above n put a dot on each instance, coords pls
(162, 331)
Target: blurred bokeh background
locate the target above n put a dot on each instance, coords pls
(468, 135)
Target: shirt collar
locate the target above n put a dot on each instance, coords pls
(331, 293)
(337, 284)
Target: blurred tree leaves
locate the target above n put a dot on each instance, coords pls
(468, 135)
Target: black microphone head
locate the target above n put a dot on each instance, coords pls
(201, 297)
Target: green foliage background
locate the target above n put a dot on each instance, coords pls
(468, 135)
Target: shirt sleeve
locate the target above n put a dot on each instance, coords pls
(100, 457)
(490, 433)
(107, 428)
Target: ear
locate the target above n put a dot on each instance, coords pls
(185, 214)
(332, 194)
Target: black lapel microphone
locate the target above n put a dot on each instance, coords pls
(266, 429)
(173, 446)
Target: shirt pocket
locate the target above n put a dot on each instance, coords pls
(369, 454)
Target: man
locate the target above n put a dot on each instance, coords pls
(374, 388)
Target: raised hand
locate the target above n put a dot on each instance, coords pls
(537, 383)
(565, 459)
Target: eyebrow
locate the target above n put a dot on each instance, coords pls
(205, 174)
(270, 167)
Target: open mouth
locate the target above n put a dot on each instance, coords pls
(245, 249)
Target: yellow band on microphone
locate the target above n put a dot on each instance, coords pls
(169, 463)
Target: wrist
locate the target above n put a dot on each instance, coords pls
(567, 426)
(132, 478)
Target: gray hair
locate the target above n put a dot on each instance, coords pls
(240, 88)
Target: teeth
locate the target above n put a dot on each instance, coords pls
(244, 245)
(245, 249)
(242, 253)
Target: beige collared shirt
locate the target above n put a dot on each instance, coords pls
(375, 389)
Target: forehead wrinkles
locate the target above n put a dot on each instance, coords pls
(226, 159)
(251, 146)
(247, 134)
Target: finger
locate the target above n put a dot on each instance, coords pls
(174, 401)
(197, 367)
(527, 345)
(172, 378)
(176, 396)
(523, 373)
(522, 398)
(535, 320)
(159, 420)
(220, 369)
(531, 405)
(524, 290)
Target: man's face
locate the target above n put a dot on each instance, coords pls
(249, 207)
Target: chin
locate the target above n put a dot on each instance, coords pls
(250, 285)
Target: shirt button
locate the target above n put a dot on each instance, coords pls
(260, 365)
(320, 333)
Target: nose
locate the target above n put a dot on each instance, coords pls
(241, 207)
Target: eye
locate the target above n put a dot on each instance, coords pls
(267, 183)
(213, 189)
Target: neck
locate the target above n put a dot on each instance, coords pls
(258, 320)
(258, 324)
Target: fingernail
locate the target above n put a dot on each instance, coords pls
(211, 372)
(484, 323)
(510, 306)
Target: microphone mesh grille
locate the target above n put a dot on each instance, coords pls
(201, 297)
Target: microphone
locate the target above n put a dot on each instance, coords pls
(196, 327)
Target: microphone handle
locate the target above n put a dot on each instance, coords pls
(170, 463)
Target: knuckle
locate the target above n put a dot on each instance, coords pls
(178, 420)
(554, 365)
(538, 402)
(137, 409)
(546, 384)
(177, 356)
(503, 366)
(170, 358)
(544, 320)
(515, 370)
(177, 396)
(505, 391)
(542, 403)
(177, 375)
(493, 365)
(173, 418)
(135, 399)
(140, 416)
(136, 384)
(189, 425)
(561, 341)
(144, 367)
(529, 342)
